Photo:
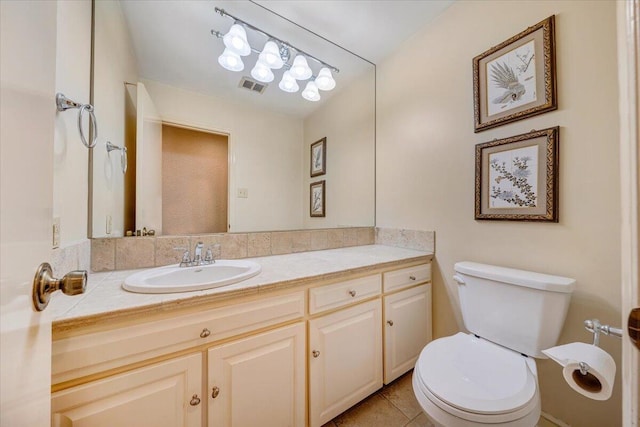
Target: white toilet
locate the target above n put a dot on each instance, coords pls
(489, 376)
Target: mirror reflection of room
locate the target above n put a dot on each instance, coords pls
(139, 91)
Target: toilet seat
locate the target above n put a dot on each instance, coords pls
(476, 380)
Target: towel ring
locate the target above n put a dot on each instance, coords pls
(123, 154)
(63, 103)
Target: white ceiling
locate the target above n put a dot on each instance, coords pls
(372, 29)
(173, 44)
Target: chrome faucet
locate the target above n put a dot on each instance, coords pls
(197, 254)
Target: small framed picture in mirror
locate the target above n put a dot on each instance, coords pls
(319, 157)
(316, 196)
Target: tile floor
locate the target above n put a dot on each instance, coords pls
(393, 406)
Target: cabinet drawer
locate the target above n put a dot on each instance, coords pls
(337, 295)
(398, 279)
(83, 355)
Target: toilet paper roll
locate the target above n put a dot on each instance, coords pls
(597, 384)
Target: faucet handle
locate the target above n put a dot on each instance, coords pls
(208, 257)
(186, 258)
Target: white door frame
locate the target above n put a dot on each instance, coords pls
(628, 16)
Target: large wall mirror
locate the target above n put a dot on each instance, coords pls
(205, 154)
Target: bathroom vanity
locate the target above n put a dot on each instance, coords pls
(309, 337)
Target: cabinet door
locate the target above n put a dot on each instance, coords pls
(407, 329)
(165, 394)
(345, 359)
(259, 381)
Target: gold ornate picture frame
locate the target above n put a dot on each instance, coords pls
(517, 177)
(517, 78)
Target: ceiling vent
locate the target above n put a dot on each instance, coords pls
(252, 85)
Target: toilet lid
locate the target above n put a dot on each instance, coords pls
(475, 375)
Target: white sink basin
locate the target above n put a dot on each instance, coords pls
(173, 278)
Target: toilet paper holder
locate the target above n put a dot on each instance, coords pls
(596, 328)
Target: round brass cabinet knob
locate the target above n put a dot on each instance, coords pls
(412, 277)
(315, 353)
(352, 293)
(195, 400)
(205, 333)
(390, 322)
(215, 391)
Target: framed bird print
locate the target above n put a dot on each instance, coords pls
(517, 78)
(318, 157)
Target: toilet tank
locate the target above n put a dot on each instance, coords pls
(518, 309)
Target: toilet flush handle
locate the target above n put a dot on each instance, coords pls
(458, 279)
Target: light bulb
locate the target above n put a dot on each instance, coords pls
(236, 40)
(231, 61)
(310, 92)
(270, 55)
(325, 80)
(262, 73)
(300, 69)
(288, 83)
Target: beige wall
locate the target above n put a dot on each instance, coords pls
(115, 64)
(347, 121)
(265, 152)
(73, 65)
(194, 181)
(425, 168)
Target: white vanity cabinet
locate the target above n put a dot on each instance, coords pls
(297, 356)
(407, 318)
(166, 394)
(173, 392)
(345, 348)
(259, 380)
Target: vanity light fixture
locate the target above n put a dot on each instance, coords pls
(310, 92)
(288, 83)
(231, 60)
(262, 73)
(274, 55)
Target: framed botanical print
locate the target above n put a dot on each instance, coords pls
(318, 157)
(317, 199)
(517, 78)
(517, 177)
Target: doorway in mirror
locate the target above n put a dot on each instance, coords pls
(194, 181)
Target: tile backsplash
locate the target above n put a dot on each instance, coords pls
(76, 256)
(410, 239)
(139, 252)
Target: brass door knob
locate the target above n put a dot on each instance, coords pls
(633, 326)
(44, 284)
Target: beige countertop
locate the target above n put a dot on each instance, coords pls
(105, 298)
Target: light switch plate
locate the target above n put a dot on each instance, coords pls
(56, 233)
